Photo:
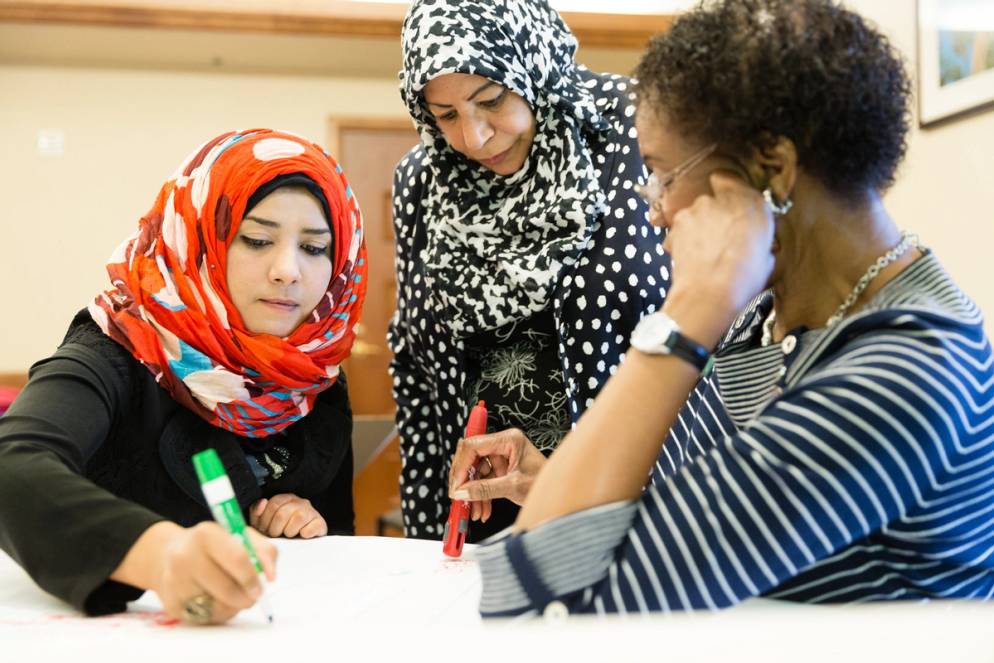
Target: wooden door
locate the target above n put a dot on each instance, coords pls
(368, 150)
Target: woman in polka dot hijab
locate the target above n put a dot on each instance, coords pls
(500, 239)
(524, 257)
(171, 307)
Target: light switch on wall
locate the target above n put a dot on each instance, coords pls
(51, 142)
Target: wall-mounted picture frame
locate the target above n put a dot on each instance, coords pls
(955, 58)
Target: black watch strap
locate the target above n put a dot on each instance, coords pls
(695, 353)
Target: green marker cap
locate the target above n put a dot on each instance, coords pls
(208, 466)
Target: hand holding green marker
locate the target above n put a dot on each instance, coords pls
(220, 498)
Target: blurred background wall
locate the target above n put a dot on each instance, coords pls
(94, 117)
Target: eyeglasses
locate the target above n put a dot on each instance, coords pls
(654, 188)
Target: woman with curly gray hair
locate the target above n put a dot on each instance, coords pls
(813, 402)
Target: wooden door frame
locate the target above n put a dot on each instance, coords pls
(372, 127)
(376, 486)
(339, 123)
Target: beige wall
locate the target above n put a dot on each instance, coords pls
(125, 132)
(127, 129)
(945, 189)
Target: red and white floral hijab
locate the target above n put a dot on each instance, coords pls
(169, 303)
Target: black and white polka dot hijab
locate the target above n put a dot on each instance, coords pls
(497, 243)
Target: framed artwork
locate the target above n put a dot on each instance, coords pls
(955, 58)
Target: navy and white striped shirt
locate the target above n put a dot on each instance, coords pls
(849, 463)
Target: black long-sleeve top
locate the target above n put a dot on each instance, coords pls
(93, 452)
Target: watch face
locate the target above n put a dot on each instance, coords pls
(654, 334)
(660, 335)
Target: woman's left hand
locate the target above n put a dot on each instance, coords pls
(287, 515)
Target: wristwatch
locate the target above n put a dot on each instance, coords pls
(659, 334)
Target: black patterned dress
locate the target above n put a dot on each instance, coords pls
(516, 371)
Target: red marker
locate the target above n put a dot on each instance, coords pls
(457, 524)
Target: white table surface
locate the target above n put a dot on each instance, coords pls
(371, 599)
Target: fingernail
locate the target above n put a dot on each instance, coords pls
(460, 495)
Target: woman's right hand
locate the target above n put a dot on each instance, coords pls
(506, 466)
(287, 515)
(180, 563)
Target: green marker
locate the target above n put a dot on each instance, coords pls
(220, 498)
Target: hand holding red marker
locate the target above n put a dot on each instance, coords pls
(457, 524)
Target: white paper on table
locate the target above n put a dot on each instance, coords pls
(375, 579)
(364, 581)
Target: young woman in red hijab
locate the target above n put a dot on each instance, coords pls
(227, 316)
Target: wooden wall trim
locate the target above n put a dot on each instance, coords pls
(121, 14)
(622, 31)
(334, 17)
(17, 380)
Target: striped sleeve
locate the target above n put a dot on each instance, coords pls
(570, 554)
(893, 438)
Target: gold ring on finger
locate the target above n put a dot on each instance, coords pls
(199, 609)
